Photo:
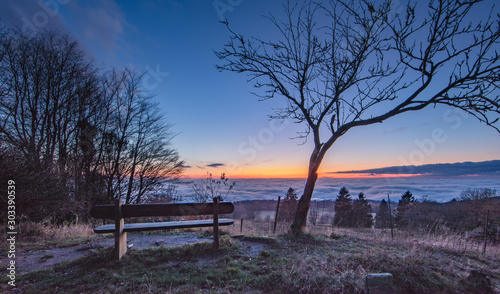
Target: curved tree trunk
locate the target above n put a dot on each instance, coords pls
(300, 220)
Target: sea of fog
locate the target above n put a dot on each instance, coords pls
(439, 189)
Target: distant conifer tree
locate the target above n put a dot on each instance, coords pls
(405, 203)
(343, 209)
(382, 219)
(362, 212)
(288, 206)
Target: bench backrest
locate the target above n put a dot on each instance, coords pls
(176, 209)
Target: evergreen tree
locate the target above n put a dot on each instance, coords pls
(343, 209)
(362, 212)
(405, 203)
(383, 217)
(288, 206)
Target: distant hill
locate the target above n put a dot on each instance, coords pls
(484, 168)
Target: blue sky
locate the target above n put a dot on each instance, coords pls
(221, 126)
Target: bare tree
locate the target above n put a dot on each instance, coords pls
(76, 136)
(136, 153)
(153, 160)
(477, 194)
(345, 64)
(45, 81)
(159, 164)
(207, 189)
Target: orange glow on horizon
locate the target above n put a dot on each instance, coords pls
(277, 173)
(248, 175)
(368, 175)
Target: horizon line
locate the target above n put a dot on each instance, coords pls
(351, 176)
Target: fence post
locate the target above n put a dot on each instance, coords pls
(241, 225)
(276, 215)
(485, 231)
(466, 237)
(390, 217)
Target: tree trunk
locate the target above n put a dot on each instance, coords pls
(299, 223)
(300, 220)
(131, 178)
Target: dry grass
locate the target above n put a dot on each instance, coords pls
(39, 234)
(306, 264)
(460, 243)
(326, 260)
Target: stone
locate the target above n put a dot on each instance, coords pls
(478, 281)
(379, 283)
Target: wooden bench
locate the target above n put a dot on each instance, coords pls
(118, 212)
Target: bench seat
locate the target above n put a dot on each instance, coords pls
(162, 226)
(118, 212)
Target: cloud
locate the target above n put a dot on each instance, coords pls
(33, 16)
(186, 166)
(100, 28)
(397, 130)
(215, 165)
(490, 168)
(162, 4)
(103, 27)
(430, 123)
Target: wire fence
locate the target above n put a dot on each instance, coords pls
(483, 239)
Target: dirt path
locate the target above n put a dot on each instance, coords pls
(28, 260)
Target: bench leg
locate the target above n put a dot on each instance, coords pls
(120, 235)
(120, 243)
(216, 223)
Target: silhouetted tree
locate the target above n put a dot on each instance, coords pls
(129, 143)
(149, 160)
(288, 206)
(343, 209)
(477, 194)
(45, 81)
(473, 207)
(404, 205)
(427, 215)
(382, 219)
(346, 64)
(75, 135)
(362, 212)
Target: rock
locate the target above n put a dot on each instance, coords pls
(478, 281)
(379, 283)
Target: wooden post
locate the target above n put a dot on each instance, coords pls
(390, 217)
(216, 223)
(120, 235)
(486, 231)
(241, 225)
(276, 215)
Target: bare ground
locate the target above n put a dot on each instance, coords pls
(30, 259)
